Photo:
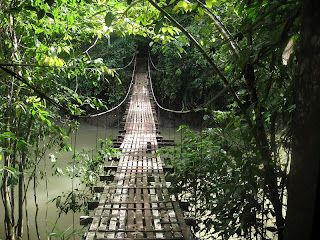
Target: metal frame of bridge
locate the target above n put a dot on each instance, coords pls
(137, 204)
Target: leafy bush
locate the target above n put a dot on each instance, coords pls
(222, 176)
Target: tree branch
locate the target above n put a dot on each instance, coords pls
(223, 30)
(38, 92)
(208, 58)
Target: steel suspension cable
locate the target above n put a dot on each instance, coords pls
(154, 66)
(73, 175)
(64, 67)
(129, 64)
(168, 69)
(155, 99)
(125, 98)
(200, 108)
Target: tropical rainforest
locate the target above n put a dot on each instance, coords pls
(249, 69)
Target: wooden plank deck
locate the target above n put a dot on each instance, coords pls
(137, 204)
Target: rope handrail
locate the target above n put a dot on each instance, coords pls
(154, 66)
(125, 98)
(201, 107)
(131, 61)
(168, 69)
(64, 67)
(41, 94)
(154, 97)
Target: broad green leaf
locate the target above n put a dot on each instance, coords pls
(183, 4)
(157, 27)
(31, 8)
(109, 18)
(13, 10)
(209, 3)
(40, 14)
(50, 15)
(181, 50)
(170, 30)
(58, 200)
(66, 49)
(8, 135)
(50, 2)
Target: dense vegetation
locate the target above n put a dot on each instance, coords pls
(235, 62)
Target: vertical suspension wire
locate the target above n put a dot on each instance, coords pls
(97, 131)
(35, 185)
(263, 221)
(95, 152)
(47, 192)
(181, 146)
(73, 175)
(118, 116)
(27, 214)
(201, 149)
(169, 117)
(106, 128)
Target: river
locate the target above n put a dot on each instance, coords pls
(86, 138)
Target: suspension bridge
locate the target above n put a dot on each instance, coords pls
(137, 203)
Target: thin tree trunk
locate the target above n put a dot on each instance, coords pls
(26, 210)
(5, 191)
(21, 182)
(264, 148)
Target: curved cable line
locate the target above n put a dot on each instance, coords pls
(131, 61)
(201, 107)
(166, 70)
(154, 66)
(41, 94)
(64, 67)
(125, 98)
(154, 97)
(73, 174)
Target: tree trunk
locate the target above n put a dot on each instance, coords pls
(303, 211)
(5, 192)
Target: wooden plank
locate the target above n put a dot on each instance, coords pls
(178, 238)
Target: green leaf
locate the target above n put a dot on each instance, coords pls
(157, 27)
(40, 14)
(206, 117)
(272, 229)
(8, 135)
(209, 3)
(50, 15)
(30, 8)
(170, 30)
(50, 2)
(184, 5)
(181, 50)
(58, 200)
(12, 10)
(109, 18)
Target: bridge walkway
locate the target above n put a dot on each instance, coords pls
(138, 204)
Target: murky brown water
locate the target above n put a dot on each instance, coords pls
(87, 137)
